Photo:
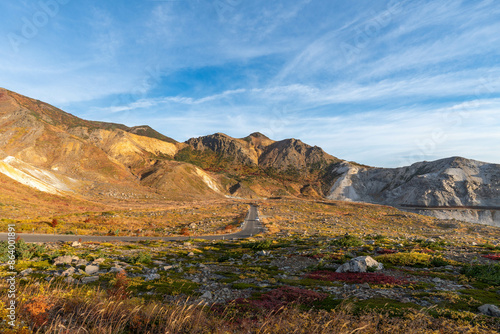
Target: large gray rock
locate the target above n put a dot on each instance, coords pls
(447, 182)
(489, 309)
(26, 272)
(207, 295)
(360, 264)
(70, 280)
(91, 269)
(116, 270)
(152, 277)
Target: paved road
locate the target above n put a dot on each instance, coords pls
(250, 227)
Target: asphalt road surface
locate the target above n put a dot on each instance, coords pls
(250, 227)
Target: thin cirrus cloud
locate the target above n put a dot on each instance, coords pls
(367, 81)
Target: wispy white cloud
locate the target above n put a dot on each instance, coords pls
(285, 70)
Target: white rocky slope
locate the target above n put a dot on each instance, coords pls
(451, 182)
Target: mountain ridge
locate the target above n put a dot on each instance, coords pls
(40, 144)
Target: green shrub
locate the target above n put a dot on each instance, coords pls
(405, 259)
(347, 241)
(23, 250)
(261, 245)
(487, 273)
(141, 257)
(413, 259)
(439, 261)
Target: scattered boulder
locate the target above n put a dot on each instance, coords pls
(90, 279)
(151, 277)
(68, 272)
(81, 262)
(207, 295)
(91, 269)
(360, 264)
(26, 272)
(165, 268)
(263, 253)
(116, 270)
(70, 280)
(65, 259)
(489, 309)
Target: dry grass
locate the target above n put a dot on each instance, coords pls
(165, 219)
(327, 218)
(62, 309)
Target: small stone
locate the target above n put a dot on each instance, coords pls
(68, 272)
(365, 286)
(489, 309)
(202, 266)
(262, 253)
(246, 257)
(190, 254)
(151, 277)
(207, 295)
(437, 280)
(116, 270)
(81, 262)
(98, 261)
(165, 268)
(91, 269)
(26, 272)
(76, 244)
(90, 279)
(70, 280)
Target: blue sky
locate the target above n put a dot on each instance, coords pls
(384, 83)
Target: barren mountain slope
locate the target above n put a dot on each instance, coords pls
(53, 151)
(448, 182)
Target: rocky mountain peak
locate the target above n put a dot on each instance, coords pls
(258, 135)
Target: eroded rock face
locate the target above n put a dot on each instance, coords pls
(257, 149)
(360, 264)
(240, 150)
(452, 182)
